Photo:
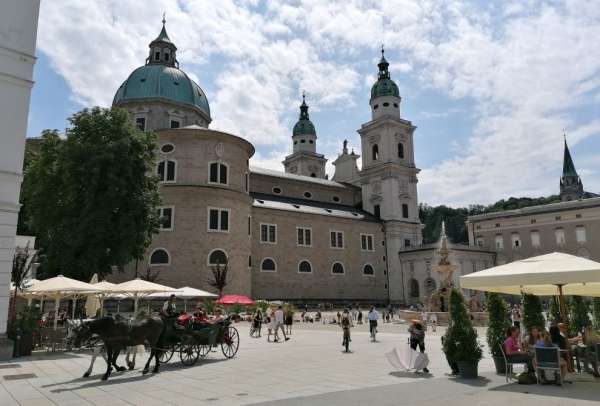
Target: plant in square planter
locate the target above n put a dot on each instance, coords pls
(460, 341)
(26, 324)
(496, 332)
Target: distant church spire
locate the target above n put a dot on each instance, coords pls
(571, 187)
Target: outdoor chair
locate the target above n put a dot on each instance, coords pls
(548, 359)
(509, 364)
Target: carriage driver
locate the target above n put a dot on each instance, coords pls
(169, 306)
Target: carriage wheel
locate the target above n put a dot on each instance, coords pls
(230, 342)
(166, 355)
(188, 354)
(203, 350)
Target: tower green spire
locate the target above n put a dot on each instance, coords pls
(571, 187)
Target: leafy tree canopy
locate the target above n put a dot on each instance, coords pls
(455, 218)
(88, 197)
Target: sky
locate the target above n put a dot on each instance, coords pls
(491, 85)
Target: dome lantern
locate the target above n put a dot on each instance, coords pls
(304, 126)
(162, 49)
(384, 86)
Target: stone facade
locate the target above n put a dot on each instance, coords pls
(18, 31)
(572, 227)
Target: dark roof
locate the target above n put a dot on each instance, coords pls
(311, 207)
(568, 166)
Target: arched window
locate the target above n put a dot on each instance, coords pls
(414, 288)
(304, 267)
(217, 257)
(166, 171)
(337, 268)
(430, 286)
(400, 150)
(375, 154)
(160, 256)
(268, 265)
(368, 270)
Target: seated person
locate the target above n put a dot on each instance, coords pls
(184, 319)
(591, 340)
(557, 337)
(200, 316)
(532, 338)
(512, 348)
(546, 342)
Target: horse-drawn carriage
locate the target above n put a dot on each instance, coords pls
(194, 340)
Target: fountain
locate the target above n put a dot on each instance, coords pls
(438, 300)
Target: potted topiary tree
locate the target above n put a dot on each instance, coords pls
(579, 315)
(532, 313)
(460, 341)
(27, 322)
(496, 332)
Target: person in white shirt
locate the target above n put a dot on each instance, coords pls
(169, 306)
(373, 316)
(424, 320)
(279, 319)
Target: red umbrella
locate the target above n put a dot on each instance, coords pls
(235, 299)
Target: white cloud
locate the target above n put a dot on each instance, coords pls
(525, 67)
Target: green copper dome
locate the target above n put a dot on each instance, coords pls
(161, 78)
(384, 86)
(162, 82)
(304, 126)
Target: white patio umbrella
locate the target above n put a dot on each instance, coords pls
(545, 275)
(184, 293)
(61, 287)
(137, 288)
(92, 303)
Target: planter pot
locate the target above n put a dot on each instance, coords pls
(25, 344)
(500, 364)
(467, 369)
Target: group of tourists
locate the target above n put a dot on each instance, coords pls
(519, 350)
(275, 321)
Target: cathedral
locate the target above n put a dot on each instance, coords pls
(293, 235)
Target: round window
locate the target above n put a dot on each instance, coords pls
(277, 190)
(167, 148)
(336, 199)
(308, 195)
(386, 104)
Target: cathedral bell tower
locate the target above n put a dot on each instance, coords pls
(304, 159)
(388, 177)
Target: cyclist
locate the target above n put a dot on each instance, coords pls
(373, 316)
(346, 323)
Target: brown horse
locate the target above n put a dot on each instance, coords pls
(120, 334)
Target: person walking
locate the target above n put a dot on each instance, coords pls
(373, 316)
(424, 319)
(359, 317)
(279, 319)
(417, 338)
(346, 323)
(289, 320)
(433, 319)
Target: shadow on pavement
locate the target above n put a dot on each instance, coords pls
(576, 390)
(409, 374)
(480, 381)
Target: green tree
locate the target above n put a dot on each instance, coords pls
(554, 310)
(499, 322)
(532, 312)
(89, 198)
(579, 315)
(460, 341)
(596, 312)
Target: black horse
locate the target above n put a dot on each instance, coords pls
(119, 334)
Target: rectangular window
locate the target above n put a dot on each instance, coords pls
(218, 219)
(174, 124)
(140, 122)
(366, 242)
(405, 211)
(377, 211)
(268, 233)
(406, 243)
(499, 242)
(535, 239)
(217, 173)
(559, 233)
(516, 240)
(336, 239)
(165, 218)
(304, 236)
(580, 234)
(246, 182)
(249, 225)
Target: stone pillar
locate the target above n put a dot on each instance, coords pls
(18, 31)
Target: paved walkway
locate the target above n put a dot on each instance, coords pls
(309, 369)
